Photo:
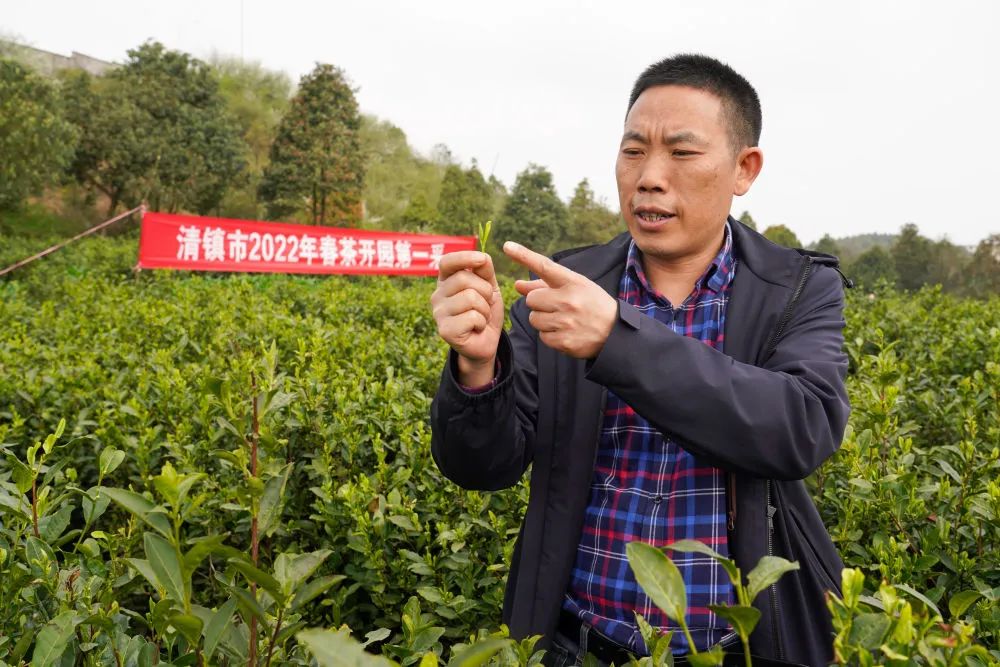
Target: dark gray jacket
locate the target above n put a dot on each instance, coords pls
(769, 411)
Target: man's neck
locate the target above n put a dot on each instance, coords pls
(675, 277)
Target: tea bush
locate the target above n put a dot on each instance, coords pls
(279, 426)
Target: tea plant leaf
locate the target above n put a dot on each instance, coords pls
(143, 567)
(109, 460)
(21, 473)
(220, 622)
(377, 636)
(166, 564)
(868, 630)
(694, 546)
(959, 602)
(141, 507)
(659, 577)
(336, 648)
(248, 605)
(259, 577)
(713, 656)
(314, 589)
(189, 626)
(292, 569)
(51, 527)
(920, 596)
(94, 504)
(53, 639)
(479, 653)
(767, 571)
(743, 619)
(214, 544)
(272, 502)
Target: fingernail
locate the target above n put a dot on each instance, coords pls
(511, 246)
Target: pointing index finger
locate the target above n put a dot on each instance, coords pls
(543, 267)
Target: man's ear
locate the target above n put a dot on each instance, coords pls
(748, 164)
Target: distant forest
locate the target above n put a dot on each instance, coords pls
(234, 139)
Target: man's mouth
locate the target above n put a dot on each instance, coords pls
(650, 216)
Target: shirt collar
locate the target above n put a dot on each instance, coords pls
(718, 274)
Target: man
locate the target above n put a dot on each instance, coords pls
(677, 382)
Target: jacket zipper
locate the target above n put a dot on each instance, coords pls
(771, 509)
(787, 315)
(773, 588)
(731, 499)
(600, 423)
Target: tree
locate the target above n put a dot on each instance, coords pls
(827, 245)
(533, 215)
(419, 215)
(982, 276)
(466, 199)
(35, 140)
(911, 256)
(589, 221)
(947, 265)
(874, 265)
(748, 220)
(256, 98)
(316, 165)
(155, 129)
(782, 235)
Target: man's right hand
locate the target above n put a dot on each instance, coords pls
(469, 312)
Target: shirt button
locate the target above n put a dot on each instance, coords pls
(657, 500)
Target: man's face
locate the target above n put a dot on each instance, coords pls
(677, 172)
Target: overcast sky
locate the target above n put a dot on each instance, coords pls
(875, 113)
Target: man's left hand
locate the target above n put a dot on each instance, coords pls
(572, 314)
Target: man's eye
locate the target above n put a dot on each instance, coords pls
(631, 151)
(684, 153)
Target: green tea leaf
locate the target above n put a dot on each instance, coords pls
(960, 602)
(767, 571)
(479, 654)
(743, 619)
(189, 626)
(868, 629)
(144, 509)
(259, 577)
(314, 589)
(272, 502)
(921, 597)
(221, 620)
(694, 546)
(336, 648)
(53, 639)
(51, 527)
(166, 564)
(659, 577)
(713, 656)
(109, 460)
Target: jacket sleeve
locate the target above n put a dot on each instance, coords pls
(486, 441)
(778, 421)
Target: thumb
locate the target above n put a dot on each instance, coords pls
(526, 287)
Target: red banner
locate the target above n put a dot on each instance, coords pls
(199, 243)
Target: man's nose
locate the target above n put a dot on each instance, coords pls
(654, 177)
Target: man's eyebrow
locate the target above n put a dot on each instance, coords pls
(683, 137)
(634, 135)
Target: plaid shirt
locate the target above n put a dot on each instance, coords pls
(645, 487)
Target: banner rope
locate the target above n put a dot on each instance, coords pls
(68, 241)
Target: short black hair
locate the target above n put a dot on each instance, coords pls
(739, 100)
